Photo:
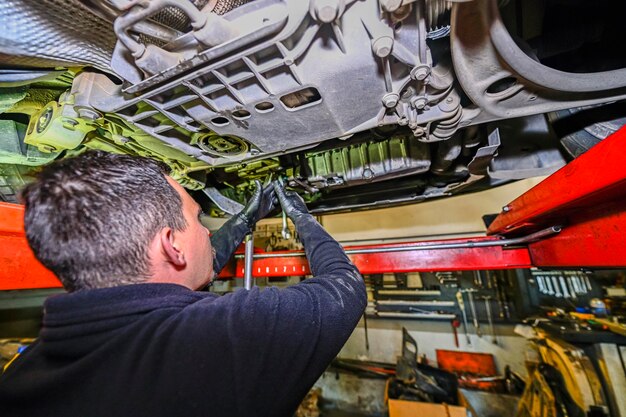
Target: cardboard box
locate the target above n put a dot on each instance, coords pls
(400, 408)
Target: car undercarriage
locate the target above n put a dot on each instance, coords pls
(355, 103)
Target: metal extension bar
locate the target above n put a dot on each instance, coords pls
(533, 237)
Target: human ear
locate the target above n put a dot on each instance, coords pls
(172, 253)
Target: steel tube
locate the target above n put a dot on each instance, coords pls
(249, 256)
(459, 245)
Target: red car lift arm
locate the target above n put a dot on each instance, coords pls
(587, 198)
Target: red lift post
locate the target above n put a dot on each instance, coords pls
(585, 201)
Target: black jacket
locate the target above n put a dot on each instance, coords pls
(164, 350)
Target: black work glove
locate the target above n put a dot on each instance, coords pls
(226, 240)
(262, 202)
(293, 205)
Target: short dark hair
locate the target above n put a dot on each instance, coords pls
(90, 218)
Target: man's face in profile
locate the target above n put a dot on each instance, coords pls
(195, 241)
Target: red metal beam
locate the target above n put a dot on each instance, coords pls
(596, 177)
(588, 198)
(594, 238)
(19, 269)
(420, 260)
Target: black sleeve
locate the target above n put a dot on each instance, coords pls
(226, 240)
(282, 340)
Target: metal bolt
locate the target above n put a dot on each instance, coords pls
(120, 138)
(89, 114)
(69, 123)
(506, 209)
(419, 102)
(44, 120)
(46, 148)
(382, 46)
(420, 72)
(390, 100)
(326, 11)
(391, 5)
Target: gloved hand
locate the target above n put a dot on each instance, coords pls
(226, 240)
(293, 205)
(262, 202)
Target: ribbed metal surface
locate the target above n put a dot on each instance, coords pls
(45, 33)
(368, 162)
(225, 6)
(173, 17)
(177, 19)
(437, 14)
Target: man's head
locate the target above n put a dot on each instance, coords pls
(103, 220)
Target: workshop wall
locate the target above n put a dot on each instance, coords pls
(455, 216)
(385, 342)
(385, 345)
(448, 216)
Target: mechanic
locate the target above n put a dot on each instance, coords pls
(133, 337)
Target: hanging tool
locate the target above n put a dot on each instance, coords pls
(499, 299)
(367, 338)
(564, 287)
(549, 286)
(285, 232)
(572, 289)
(459, 299)
(492, 329)
(455, 325)
(470, 298)
(540, 284)
(577, 286)
(557, 292)
(477, 280)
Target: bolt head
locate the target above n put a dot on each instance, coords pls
(327, 14)
(88, 114)
(326, 11)
(390, 100)
(420, 72)
(382, 46)
(419, 102)
(46, 148)
(44, 120)
(506, 209)
(391, 5)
